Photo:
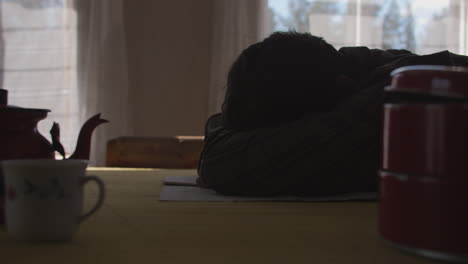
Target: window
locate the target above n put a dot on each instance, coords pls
(421, 26)
(38, 57)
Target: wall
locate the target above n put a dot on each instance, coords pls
(169, 61)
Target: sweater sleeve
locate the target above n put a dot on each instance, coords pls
(321, 153)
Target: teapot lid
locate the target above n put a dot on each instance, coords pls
(5, 108)
(435, 80)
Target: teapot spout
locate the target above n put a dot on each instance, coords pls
(83, 144)
(55, 135)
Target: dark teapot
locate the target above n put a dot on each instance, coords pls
(20, 139)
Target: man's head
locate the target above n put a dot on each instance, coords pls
(281, 78)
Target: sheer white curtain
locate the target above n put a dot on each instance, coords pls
(236, 25)
(102, 71)
(68, 56)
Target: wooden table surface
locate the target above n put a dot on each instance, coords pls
(134, 227)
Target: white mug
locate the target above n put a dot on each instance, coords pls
(44, 198)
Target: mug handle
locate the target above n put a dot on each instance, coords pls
(102, 193)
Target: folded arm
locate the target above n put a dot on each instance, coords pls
(321, 153)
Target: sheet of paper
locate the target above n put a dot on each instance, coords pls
(183, 188)
(181, 180)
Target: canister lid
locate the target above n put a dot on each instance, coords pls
(435, 80)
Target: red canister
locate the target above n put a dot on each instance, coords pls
(423, 200)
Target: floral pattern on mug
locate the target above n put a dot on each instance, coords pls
(55, 189)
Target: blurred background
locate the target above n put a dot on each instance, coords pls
(158, 68)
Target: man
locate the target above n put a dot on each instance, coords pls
(300, 117)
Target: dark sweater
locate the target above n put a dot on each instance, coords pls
(320, 153)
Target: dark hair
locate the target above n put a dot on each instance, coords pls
(279, 79)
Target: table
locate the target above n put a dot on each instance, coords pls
(134, 227)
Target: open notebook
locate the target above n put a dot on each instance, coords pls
(184, 188)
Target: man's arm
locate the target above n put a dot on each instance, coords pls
(308, 156)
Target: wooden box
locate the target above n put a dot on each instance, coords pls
(154, 152)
